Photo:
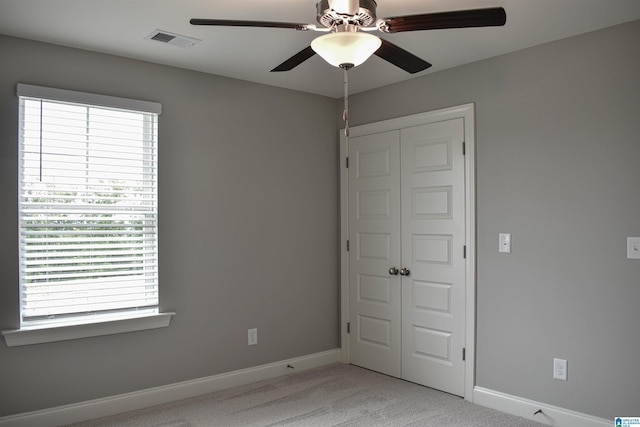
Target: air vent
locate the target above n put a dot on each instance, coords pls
(172, 39)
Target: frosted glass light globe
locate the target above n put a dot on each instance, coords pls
(346, 48)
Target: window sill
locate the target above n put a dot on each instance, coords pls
(95, 327)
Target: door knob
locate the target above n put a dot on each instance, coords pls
(393, 271)
(404, 271)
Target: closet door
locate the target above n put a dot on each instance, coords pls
(406, 220)
(433, 240)
(374, 253)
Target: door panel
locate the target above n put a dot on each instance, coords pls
(433, 238)
(374, 236)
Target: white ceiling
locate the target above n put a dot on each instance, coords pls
(120, 26)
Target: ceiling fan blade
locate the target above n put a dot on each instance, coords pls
(295, 60)
(401, 58)
(491, 17)
(260, 24)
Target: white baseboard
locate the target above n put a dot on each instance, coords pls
(103, 407)
(525, 408)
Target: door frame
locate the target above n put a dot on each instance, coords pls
(467, 113)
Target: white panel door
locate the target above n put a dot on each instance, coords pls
(433, 240)
(406, 210)
(374, 240)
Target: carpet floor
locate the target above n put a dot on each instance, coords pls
(332, 395)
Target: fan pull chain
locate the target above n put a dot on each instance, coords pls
(345, 114)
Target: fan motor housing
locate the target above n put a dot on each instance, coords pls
(365, 17)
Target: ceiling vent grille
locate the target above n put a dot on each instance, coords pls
(172, 39)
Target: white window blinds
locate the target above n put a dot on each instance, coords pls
(87, 203)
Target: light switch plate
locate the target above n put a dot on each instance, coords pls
(505, 243)
(633, 247)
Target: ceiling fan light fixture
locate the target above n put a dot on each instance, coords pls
(346, 48)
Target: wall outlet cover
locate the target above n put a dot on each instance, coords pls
(560, 369)
(252, 336)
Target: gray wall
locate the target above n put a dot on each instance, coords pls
(248, 210)
(557, 147)
(558, 155)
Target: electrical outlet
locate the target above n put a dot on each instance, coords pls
(560, 369)
(252, 335)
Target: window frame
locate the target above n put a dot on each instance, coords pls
(101, 323)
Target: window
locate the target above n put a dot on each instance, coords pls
(88, 213)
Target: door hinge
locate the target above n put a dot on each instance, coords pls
(464, 148)
(347, 163)
(464, 251)
(348, 327)
(347, 246)
(464, 354)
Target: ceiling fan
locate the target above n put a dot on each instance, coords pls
(348, 24)
(348, 42)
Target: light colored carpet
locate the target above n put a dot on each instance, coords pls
(332, 395)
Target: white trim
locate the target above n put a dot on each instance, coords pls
(413, 120)
(97, 408)
(344, 255)
(91, 326)
(87, 98)
(467, 112)
(525, 408)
